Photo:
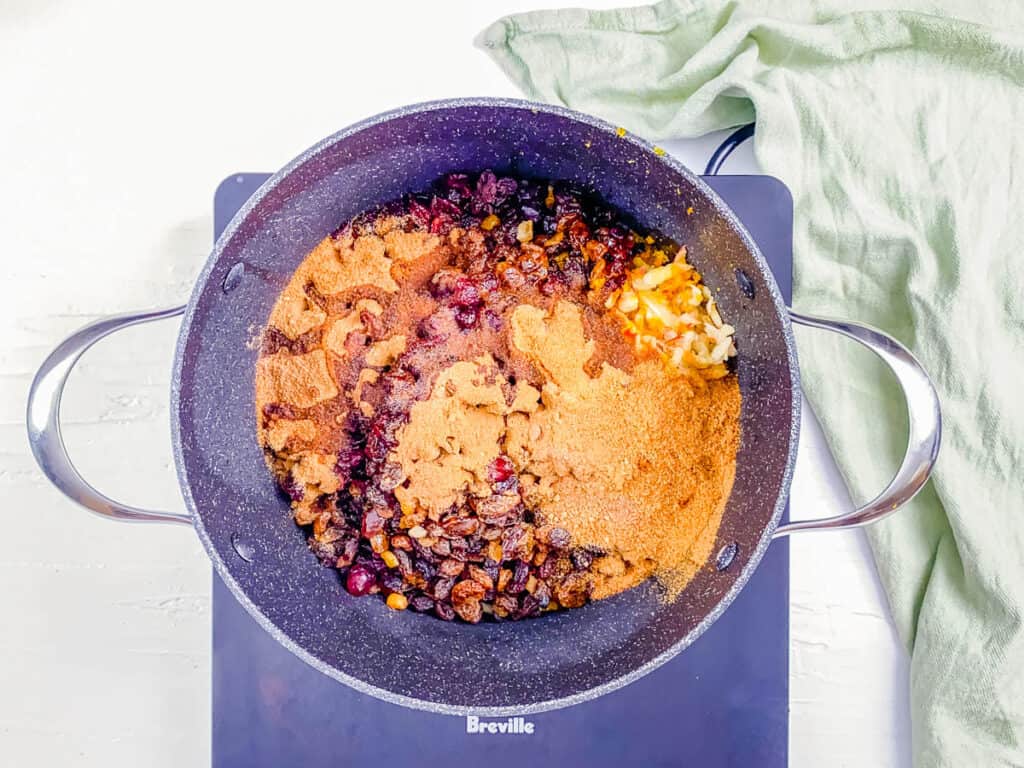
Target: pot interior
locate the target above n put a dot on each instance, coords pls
(414, 659)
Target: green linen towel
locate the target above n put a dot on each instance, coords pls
(901, 135)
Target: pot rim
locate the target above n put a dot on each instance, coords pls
(437, 707)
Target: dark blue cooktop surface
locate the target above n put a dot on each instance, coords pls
(722, 702)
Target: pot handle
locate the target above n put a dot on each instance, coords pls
(43, 420)
(924, 435)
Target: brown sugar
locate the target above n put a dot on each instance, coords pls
(635, 465)
(299, 380)
(454, 435)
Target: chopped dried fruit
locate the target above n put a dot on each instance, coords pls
(668, 312)
(397, 601)
(501, 469)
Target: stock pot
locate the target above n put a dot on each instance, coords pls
(245, 523)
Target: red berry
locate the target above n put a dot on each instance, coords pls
(360, 580)
(466, 294)
(467, 318)
(501, 469)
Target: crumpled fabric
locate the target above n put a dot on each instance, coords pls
(900, 132)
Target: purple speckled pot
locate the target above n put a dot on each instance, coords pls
(244, 523)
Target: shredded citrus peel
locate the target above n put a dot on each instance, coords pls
(666, 309)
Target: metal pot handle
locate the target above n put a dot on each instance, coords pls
(43, 420)
(923, 438)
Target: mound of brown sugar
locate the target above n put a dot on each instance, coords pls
(637, 465)
(454, 435)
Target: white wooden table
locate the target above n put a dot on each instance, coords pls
(117, 120)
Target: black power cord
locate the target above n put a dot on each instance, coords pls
(725, 149)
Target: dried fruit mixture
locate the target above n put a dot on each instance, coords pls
(499, 399)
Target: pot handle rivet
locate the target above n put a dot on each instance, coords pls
(726, 555)
(243, 548)
(233, 277)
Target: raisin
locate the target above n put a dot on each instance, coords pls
(470, 611)
(520, 574)
(443, 588)
(421, 603)
(461, 526)
(481, 577)
(466, 590)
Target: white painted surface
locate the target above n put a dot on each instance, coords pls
(117, 122)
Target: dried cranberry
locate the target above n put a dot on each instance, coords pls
(494, 322)
(467, 318)
(360, 580)
(292, 488)
(501, 469)
(457, 186)
(441, 207)
(466, 294)
(441, 225)
(486, 188)
(419, 212)
(349, 459)
(504, 188)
